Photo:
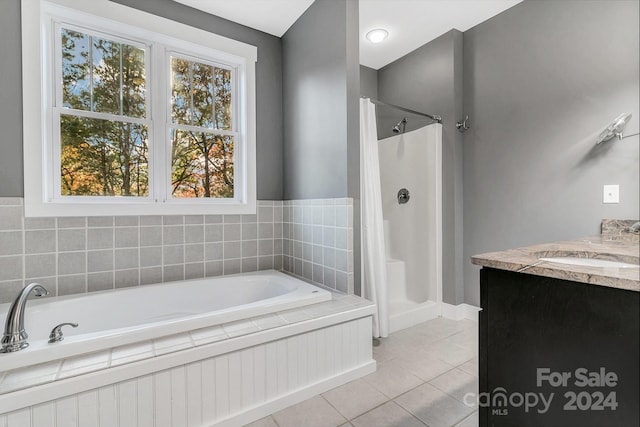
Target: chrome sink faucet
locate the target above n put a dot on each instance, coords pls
(15, 337)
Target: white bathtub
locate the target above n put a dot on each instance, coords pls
(221, 352)
(120, 317)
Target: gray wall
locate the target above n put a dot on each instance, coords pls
(368, 82)
(541, 80)
(353, 130)
(268, 90)
(11, 176)
(321, 86)
(429, 79)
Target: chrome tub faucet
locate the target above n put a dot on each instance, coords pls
(15, 337)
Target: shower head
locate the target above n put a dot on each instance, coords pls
(403, 123)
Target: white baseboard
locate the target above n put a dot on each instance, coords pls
(414, 316)
(430, 310)
(460, 311)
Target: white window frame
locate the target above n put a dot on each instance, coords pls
(238, 151)
(54, 109)
(39, 18)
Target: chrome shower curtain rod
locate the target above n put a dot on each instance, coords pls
(407, 110)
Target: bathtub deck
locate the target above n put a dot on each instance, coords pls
(345, 318)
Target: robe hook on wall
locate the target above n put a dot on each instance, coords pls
(462, 125)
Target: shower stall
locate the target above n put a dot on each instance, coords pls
(409, 148)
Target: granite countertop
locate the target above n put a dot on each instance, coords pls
(613, 247)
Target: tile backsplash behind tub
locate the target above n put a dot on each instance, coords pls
(318, 241)
(83, 254)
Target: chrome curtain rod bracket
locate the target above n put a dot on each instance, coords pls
(623, 136)
(462, 125)
(434, 117)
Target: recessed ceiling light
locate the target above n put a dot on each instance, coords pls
(378, 35)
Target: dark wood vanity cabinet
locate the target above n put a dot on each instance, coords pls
(557, 353)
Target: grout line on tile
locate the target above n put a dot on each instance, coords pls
(384, 403)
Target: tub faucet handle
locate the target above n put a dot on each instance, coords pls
(56, 334)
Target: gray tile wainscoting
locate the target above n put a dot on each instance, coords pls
(84, 254)
(318, 241)
(71, 255)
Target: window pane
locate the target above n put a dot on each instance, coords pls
(102, 75)
(105, 60)
(201, 94)
(223, 98)
(76, 83)
(202, 90)
(180, 91)
(103, 157)
(133, 82)
(201, 164)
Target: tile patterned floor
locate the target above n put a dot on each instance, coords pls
(422, 377)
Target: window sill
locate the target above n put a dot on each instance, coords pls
(40, 209)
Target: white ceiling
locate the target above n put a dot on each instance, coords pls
(411, 23)
(271, 16)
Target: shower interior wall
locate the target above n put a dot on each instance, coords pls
(429, 79)
(410, 160)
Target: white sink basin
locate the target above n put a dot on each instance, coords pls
(589, 262)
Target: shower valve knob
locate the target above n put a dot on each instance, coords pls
(403, 196)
